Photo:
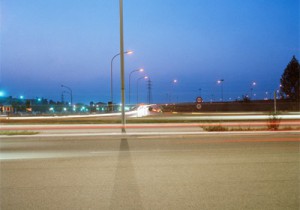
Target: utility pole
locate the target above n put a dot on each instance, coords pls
(275, 106)
(149, 91)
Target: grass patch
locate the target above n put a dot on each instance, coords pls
(215, 128)
(247, 129)
(13, 133)
(221, 128)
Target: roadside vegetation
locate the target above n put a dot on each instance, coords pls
(274, 122)
(13, 133)
(215, 128)
(222, 128)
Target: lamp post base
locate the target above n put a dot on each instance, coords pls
(123, 129)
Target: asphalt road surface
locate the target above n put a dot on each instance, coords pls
(257, 170)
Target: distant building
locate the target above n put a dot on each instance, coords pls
(6, 108)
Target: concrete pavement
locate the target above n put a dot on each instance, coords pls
(208, 171)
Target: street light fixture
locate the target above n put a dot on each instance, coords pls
(175, 81)
(128, 52)
(267, 93)
(170, 94)
(220, 81)
(137, 87)
(137, 70)
(70, 92)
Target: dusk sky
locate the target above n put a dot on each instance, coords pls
(46, 43)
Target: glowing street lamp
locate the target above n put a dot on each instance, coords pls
(174, 82)
(170, 94)
(137, 70)
(267, 95)
(220, 81)
(253, 85)
(128, 52)
(2, 93)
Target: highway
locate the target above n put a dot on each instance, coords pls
(143, 111)
(153, 170)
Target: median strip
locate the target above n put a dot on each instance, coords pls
(14, 133)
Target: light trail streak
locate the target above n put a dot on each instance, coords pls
(68, 116)
(146, 126)
(151, 135)
(240, 140)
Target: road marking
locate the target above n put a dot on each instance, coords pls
(38, 155)
(53, 155)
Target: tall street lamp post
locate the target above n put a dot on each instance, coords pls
(122, 66)
(170, 91)
(111, 73)
(137, 88)
(70, 93)
(174, 82)
(253, 85)
(220, 81)
(137, 70)
(63, 96)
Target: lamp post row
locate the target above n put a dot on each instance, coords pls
(137, 70)
(145, 77)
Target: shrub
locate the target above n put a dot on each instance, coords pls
(215, 128)
(274, 121)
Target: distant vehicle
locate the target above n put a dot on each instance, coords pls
(155, 108)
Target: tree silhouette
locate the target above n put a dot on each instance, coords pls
(290, 81)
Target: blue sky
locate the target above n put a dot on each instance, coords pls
(46, 43)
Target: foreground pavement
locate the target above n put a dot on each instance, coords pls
(257, 170)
